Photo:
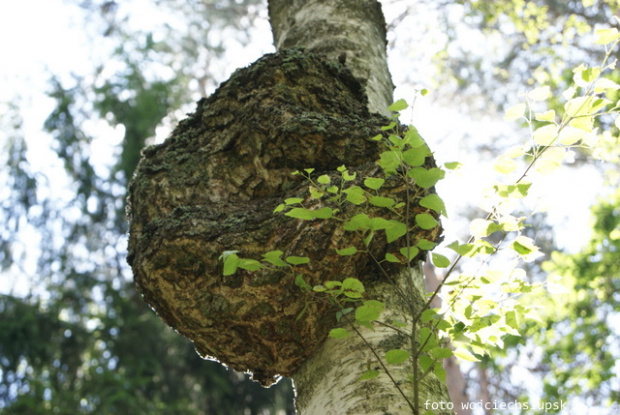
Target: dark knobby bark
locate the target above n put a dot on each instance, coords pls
(213, 185)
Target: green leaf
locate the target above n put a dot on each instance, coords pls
(370, 311)
(391, 258)
(604, 85)
(548, 116)
(396, 141)
(482, 227)
(443, 325)
(377, 224)
(348, 176)
(357, 222)
(231, 262)
(426, 221)
(293, 200)
(520, 190)
(355, 195)
(428, 315)
(425, 244)
(465, 355)
(395, 230)
(440, 372)
(301, 283)
(381, 201)
(396, 356)
(606, 36)
(279, 208)
(353, 288)
(343, 312)
(249, 264)
(323, 213)
(333, 284)
(426, 338)
(526, 248)
(583, 123)
(433, 202)
(388, 127)
(369, 374)
(570, 135)
(440, 261)
(409, 252)
(546, 135)
(316, 193)
(426, 363)
(347, 251)
(399, 105)
(273, 257)
(512, 320)
(441, 352)
(415, 157)
(300, 213)
(414, 139)
(339, 333)
(515, 112)
(504, 165)
(539, 94)
(373, 183)
(426, 178)
(461, 249)
(452, 165)
(297, 260)
(389, 161)
(368, 238)
(324, 179)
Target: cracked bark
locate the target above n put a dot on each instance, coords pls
(213, 184)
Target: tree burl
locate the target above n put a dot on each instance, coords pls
(212, 187)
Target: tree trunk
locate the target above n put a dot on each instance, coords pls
(328, 382)
(348, 30)
(212, 188)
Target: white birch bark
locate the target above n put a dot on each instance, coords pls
(338, 28)
(328, 383)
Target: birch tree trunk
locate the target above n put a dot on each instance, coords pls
(327, 383)
(349, 30)
(211, 189)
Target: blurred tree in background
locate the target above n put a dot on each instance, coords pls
(82, 341)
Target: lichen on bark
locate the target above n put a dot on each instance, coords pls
(212, 186)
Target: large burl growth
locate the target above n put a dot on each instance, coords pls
(213, 185)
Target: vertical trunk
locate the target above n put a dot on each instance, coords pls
(328, 383)
(212, 188)
(354, 32)
(348, 30)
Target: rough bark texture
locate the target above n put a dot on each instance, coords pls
(212, 187)
(351, 30)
